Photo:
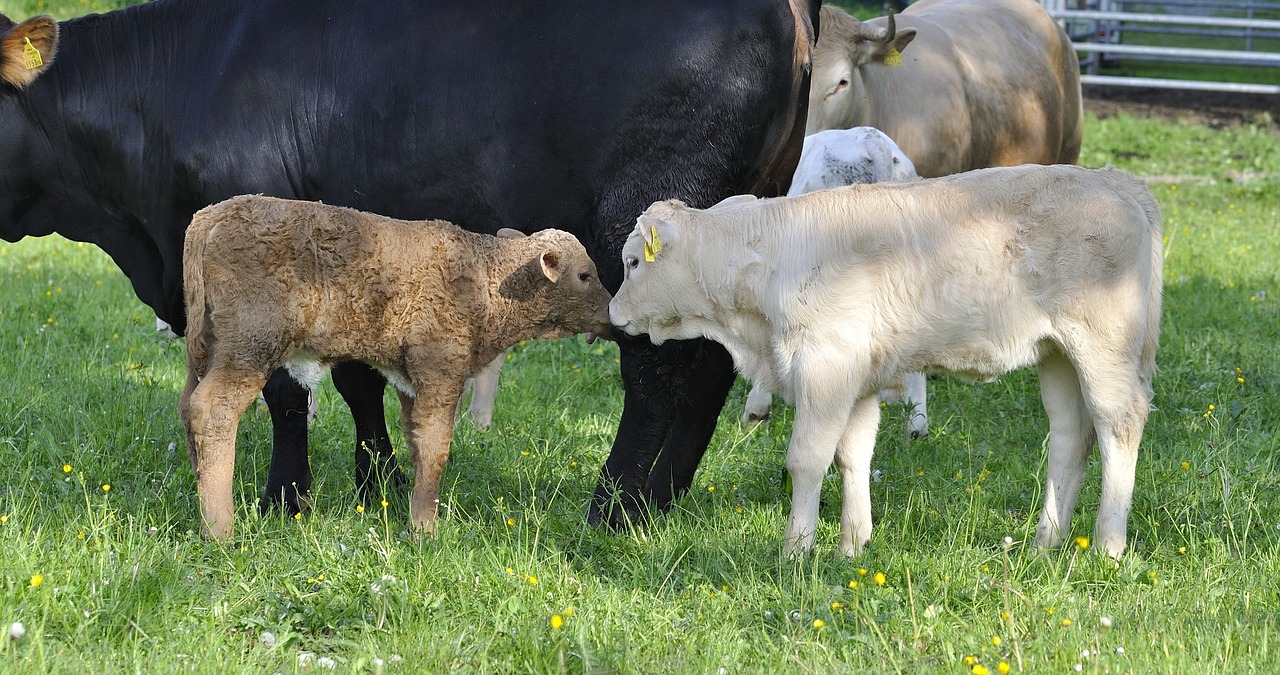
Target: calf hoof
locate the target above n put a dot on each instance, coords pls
(917, 434)
(752, 419)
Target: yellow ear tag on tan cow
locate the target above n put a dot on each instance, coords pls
(31, 55)
(893, 58)
(651, 249)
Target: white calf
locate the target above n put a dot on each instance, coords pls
(831, 294)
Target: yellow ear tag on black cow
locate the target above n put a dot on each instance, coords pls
(651, 249)
(31, 55)
(893, 58)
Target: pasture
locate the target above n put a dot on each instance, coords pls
(102, 564)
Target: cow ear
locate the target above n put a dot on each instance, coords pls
(657, 234)
(735, 199)
(27, 49)
(550, 261)
(508, 233)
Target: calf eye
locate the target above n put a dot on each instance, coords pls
(632, 262)
(584, 276)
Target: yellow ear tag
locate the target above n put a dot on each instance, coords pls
(893, 58)
(31, 55)
(651, 249)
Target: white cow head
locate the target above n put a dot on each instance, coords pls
(660, 288)
(837, 94)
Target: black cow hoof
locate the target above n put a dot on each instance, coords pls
(289, 500)
(618, 512)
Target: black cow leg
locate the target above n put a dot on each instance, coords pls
(361, 387)
(693, 424)
(678, 382)
(289, 479)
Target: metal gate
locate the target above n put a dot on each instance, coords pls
(1099, 29)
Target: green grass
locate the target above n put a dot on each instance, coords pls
(127, 584)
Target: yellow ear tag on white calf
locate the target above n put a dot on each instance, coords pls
(892, 58)
(650, 249)
(31, 55)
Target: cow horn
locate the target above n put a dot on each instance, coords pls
(878, 34)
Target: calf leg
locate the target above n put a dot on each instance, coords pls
(289, 478)
(759, 401)
(1120, 406)
(361, 387)
(212, 414)
(484, 392)
(428, 426)
(1071, 436)
(853, 459)
(914, 395)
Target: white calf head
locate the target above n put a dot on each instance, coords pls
(660, 288)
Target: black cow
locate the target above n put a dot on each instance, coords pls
(574, 114)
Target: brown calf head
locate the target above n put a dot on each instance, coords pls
(564, 275)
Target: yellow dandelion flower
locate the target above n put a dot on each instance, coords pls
(969, 660)
(1082, 543)
(1182, 550)
(819, 623)
(557, 621)
(510, 572)
(835, 606)
(4, 518)
(995, 640)
(711, 488)
(36, 580)
(1066, 623)
(1186, 466)
(297, 516)
(359, 508)
(66, 468)
(880, 578)
(568, 612)
(979, 669)
(1003, 667)
(511, 522)
(1004, 616)
(385, 504)
(862, 571)
(106, 487)
(533, 581)
(853, 584)
(1239, 380)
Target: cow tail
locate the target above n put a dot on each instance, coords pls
(1151, 341)
(194, 294)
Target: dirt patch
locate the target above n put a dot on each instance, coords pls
(1211, 108)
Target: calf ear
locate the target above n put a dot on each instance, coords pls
(27, 49)
(657, 234)
(550, 261)
(508, 233)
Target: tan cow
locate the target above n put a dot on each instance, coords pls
(980, 83)
(276, 283)
(828, 296)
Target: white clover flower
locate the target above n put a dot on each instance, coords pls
(376, 588)
(268, 639)
(17, 631)
(1119, 650)
(388, 579)
(1105, 622)
(394, 658)
(325, 663)
(305, 659)
(1008, 542)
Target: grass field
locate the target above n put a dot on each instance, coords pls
(101, 563)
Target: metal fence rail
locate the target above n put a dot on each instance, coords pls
(1096, 27)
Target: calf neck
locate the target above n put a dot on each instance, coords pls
(837, 292)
